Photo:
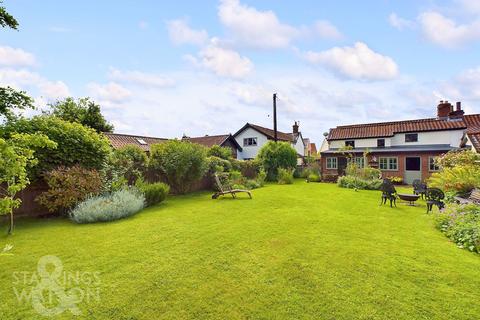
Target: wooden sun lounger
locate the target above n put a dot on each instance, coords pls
(473, 198)
(223, 191)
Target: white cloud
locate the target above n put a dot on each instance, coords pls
(33, 82)
(15, 57)
(223, 62)
(400, 23)
(109, 93)
(446, 32)
(325, 29)
(259, 29)
(181, 33)
(357, 62)
(253, 28)
(140, 78)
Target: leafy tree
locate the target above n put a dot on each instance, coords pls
(76, 144)
(275, 155)
(182, 163)
(16, 156)
(132, 161)
(220, 152)
(6, 19)
(11, 99)
(82, 111)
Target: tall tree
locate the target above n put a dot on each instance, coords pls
(6, 19)
(82, 111)
(11, 99)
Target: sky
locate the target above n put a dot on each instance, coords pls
(174, 68)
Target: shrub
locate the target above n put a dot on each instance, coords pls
(248, 168)
(76, 144)
(252, 184)
(458, 158)
(216, 164)
(461, 179)
(154, 192)
(113, 206)
(261, 176)
(131, 161)
(395, 180)
(69, 186)
(285, 176)
(461, 223)
(182, 163)
(220, 152)
(275, 155)
(352, 182)
(313, 177)
(369, 173)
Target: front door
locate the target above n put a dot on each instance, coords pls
(413, 169)
(342, 165)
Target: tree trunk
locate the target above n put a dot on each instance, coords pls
(10, 229)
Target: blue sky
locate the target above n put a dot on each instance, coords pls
(207, 67)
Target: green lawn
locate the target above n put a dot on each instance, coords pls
(302, 251)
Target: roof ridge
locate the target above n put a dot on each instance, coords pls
(132, 135)
(386, 123)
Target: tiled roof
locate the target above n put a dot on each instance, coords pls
(209, 141)
(388, 129)
(118, 140)
(282, 136)
(473, 129)
(475, 139)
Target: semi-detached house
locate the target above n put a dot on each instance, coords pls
(405, 149)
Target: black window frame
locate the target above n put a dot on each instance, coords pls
(380, 145)
(246, 142)
(350, 143)
(411, 135)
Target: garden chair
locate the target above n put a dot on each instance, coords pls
(419, 188)
(434, 196)
(223, 190)
(388, 193)
(474, 198)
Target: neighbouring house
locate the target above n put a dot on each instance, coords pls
(224, 140)
(118, 140)
(405, 149)
(253, 137)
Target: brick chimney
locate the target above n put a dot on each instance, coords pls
(444, 108)
(458, 113)
(295, 127)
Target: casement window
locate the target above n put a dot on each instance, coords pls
(332, 163)
(249, 142)
(388, 163)
(359, 161)
(350, 143)
(432, 165)
(411, 137)
(381, 143)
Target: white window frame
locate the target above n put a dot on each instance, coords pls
(332, 165)
(246, 142)
(431, 161)
(359, 161)
(388, 163)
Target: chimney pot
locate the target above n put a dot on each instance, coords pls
(459, 106)
(295, 127)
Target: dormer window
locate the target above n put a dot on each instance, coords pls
(411, 137)
(350, 143)
(380, 143)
